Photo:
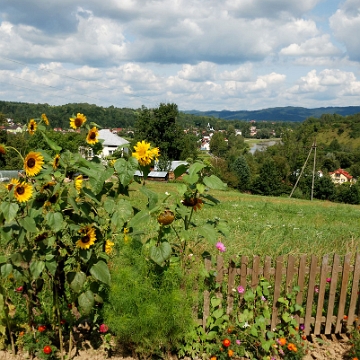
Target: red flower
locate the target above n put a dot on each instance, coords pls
(62, 322)
(47, 350)
(41, 328)
(69, 306)
(19, 289)
(226, 342)
(103, 328)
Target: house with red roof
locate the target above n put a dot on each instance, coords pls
(341, 176)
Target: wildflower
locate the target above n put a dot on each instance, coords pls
(47, 350)
(103, 328)
(240, 289)
(45, 119)
(230, 353)
(292, 347)
(33, 163)
(302, 327)
(23, 192)
(238, 342)
(220, 246)
(144, 154)
(345, 317)
(281, 341)
(88, 237)
(19, 289)
(76, 122)
(263, 298)
(246, 325)
(32, 127)
(12, 183)
(226, 342)
(2, 149)
(126, 237)
(281, 352)
(78, 183)
(92, 136)
(21, 333)
(108, 246)
(56, 161)
(316, 289)
(213, 358)
(63, 322)
(328, 280)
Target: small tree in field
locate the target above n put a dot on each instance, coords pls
(242, 171)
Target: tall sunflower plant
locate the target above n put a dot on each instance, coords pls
(60, 222)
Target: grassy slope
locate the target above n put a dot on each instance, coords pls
(277, 225)
(328, 135)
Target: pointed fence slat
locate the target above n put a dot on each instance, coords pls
(332, 293)
(333, 297)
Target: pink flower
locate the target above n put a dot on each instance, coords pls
(220, 246)
(238, 342)
(328, 280)
(103, 328)
(316, 289)
(263, 298)
(240, 289)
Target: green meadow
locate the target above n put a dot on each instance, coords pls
(273, 226)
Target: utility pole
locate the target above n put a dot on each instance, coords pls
(313, 146)
(313, 175)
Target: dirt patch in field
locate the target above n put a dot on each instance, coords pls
(318, 350)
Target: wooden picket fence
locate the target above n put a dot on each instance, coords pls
(333, 282)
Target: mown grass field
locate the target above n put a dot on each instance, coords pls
(276, 225)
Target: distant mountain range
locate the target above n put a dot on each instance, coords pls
(288, 113)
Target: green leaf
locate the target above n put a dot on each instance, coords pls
(109, 205)
(85, 254)
(181, 188)
(200, 188)
(125, 170)
(190, 179)
(9, 210)
(51, 143)
(208, 232)
(100, 271)
(253, 331)
(28, 224)
(195, 168)
(211, 335)
(152, 197)
(86, 302)
(181, 169)
(3, 259)
(218, 313)
(141, 217)
(213, 182)
(215, 302)
(54, 221)
(159, 254)
(36, 268)
(76, 280)
(6, 270)
(51, 266)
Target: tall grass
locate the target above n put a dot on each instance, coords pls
(276, 226)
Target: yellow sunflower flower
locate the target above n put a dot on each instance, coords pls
(12, 183)
(2, 149)
(108, 246)
(88, 237)
(56, 161)
(33, 163)
(76, 122)
(144, 154)
(47, 186)
(23, 192)
(92, 136)
(45, 119)
(78, 182)
(126, 237)
(32, 126)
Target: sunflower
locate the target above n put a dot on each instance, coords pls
(87, 239)
(108, 246)
(126, 236)
(33, 163)
(12, 183)
(32, 126)
(144, 154)
(76, 122)
(45, 119)
(56, 161)
(47, 186)
(92, 136)
(78, 182)
(2, 149)
(23, 192)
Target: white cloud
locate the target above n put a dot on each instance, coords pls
(201, 72)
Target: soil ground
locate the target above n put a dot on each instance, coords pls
(317, 350)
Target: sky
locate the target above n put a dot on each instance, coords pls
(199, 54)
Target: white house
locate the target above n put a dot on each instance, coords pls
(111, 143)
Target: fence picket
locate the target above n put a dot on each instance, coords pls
(290, 272)
(231, 286)
(354, 290)
(255, 272)
(277, 290)
(310, 294)
(343, 292)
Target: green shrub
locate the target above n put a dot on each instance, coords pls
(149, 308)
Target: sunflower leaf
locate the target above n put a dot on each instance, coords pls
(86, 302)
(100, 271)
(9, 210)
(54, 220)
(76, 280)
(28, 224)
(36, 268)
(161, 253)
(51, 143)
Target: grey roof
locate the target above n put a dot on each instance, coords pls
(111, 139)
(174, 164)
(156, 174)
